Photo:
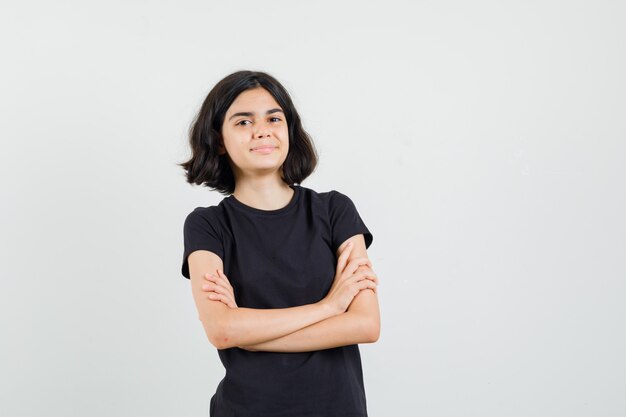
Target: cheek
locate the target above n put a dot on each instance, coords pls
(283, 133)
(232, 141)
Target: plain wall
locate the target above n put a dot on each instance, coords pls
(482, 142)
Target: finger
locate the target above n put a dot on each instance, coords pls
(367, 266)
(221, 298)
(226, 299)
(368, 274)
(361, 261)
(224, 278)
(221, 285)
(362, 277)
(221, 274)
(366, 283)
(356, 262)
(231, 301)
(365, 269)
(217, 283)
(220, 290)
(343, 257)
(214, 279)
(213, 296)
(221, 281)
(210, 277)
(371, 278)
(217, 289)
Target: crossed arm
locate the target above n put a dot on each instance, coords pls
(309, 327)
(354, 326)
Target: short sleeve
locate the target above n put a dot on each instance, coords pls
(345, 220)
(200, 233)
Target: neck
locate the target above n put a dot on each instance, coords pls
(263, 193)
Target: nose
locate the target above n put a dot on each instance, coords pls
(262, 130)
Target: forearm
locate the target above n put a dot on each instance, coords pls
(234, 326)
(248, 326)
(345, 329)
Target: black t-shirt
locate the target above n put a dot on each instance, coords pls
(277, 259)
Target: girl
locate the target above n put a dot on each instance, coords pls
(279, 272)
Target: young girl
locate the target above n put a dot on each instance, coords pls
(279, 273)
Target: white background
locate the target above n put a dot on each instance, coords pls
(482, 142)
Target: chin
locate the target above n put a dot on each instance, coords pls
(269, 166)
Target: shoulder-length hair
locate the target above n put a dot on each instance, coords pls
(206, 167)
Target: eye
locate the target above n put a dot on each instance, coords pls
(277, 118)
(240, 123)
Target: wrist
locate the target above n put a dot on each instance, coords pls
(329, 310)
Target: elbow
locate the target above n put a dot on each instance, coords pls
(373, 331)
(367, 326)
(218, 334)
(219, 341)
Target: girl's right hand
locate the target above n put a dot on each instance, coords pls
(350, 278)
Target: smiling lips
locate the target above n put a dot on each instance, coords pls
(265, 149)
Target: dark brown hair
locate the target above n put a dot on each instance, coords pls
(206, 167)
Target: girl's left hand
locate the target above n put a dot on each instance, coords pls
(219, 288)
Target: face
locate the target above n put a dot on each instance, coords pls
(255, 134)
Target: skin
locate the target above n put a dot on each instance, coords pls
(348, 315)
(257, 175)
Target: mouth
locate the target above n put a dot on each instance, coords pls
(263, 149)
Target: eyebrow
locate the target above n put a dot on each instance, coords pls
(247, 113)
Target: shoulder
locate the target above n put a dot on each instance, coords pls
(329, 199)
(203, 213)
(205, 218)
(343, 218)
